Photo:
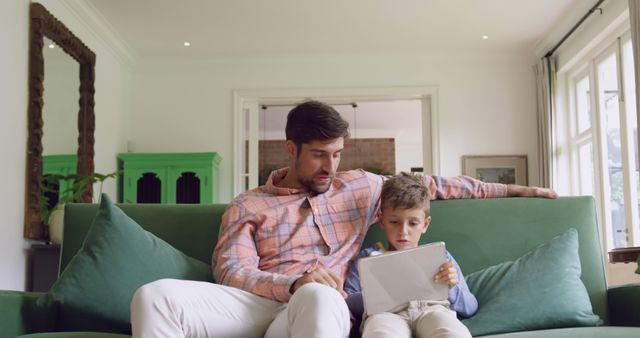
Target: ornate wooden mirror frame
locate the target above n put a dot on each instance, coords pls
(44, 24)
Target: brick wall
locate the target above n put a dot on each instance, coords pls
(372, 154)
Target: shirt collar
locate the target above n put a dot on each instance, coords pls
(276, 177)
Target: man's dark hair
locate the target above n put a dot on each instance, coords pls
(314, 120)
(405, 191)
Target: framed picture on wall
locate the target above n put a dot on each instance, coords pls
(507, 169)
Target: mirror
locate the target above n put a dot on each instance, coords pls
(60, 97)
(42, 25)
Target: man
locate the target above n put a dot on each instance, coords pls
(285, 247)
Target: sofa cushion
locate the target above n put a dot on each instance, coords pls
(94, 292)
(540, 290)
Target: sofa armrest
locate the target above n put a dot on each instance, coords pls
(21, 314)
(624, 305)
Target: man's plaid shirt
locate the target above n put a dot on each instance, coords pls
(270, 236)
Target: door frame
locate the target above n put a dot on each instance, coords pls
(246, 111)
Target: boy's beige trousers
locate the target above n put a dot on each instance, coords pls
(421, 318)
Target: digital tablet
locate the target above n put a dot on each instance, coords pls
(394, 278)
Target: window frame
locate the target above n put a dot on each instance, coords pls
(596, 135)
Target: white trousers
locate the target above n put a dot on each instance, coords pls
(421, 319)
(170, 308)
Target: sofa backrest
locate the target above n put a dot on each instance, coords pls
(479, 233)
(190, 228)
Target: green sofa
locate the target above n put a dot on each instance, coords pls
(479, 233)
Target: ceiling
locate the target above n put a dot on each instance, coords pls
(153, 29)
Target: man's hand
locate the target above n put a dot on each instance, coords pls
(322, 276)
(514, 190)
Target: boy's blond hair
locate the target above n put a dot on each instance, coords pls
(405, 191)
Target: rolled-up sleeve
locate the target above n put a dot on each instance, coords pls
(462, 187)
(235, 259)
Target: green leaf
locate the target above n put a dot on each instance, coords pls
(77, 188)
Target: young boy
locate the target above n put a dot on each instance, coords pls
(404, 217)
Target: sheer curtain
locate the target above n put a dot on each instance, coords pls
(634, 17)
(545, 79)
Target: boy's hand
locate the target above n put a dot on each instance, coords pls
(447, 274)
(322, 276)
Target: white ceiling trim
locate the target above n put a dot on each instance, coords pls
(99, 26)
(564, 25)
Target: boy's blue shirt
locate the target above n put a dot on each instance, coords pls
(462, 300)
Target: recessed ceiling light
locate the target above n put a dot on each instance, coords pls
(187, 43)
(51, 45)
(485, 37)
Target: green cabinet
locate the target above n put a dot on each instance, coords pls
(169, 177)
(58, 165)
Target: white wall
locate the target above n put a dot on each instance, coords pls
(112, 111)
(14, 31)
(487, 101)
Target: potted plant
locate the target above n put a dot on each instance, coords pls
(68, 188)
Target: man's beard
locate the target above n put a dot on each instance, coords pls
(310, 184)
(313, 187)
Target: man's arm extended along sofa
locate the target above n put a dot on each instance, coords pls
(535, 265)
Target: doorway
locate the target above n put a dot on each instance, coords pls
(405, 118)
(385, 137)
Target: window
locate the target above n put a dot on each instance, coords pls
(603, 140)
(583, 136)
